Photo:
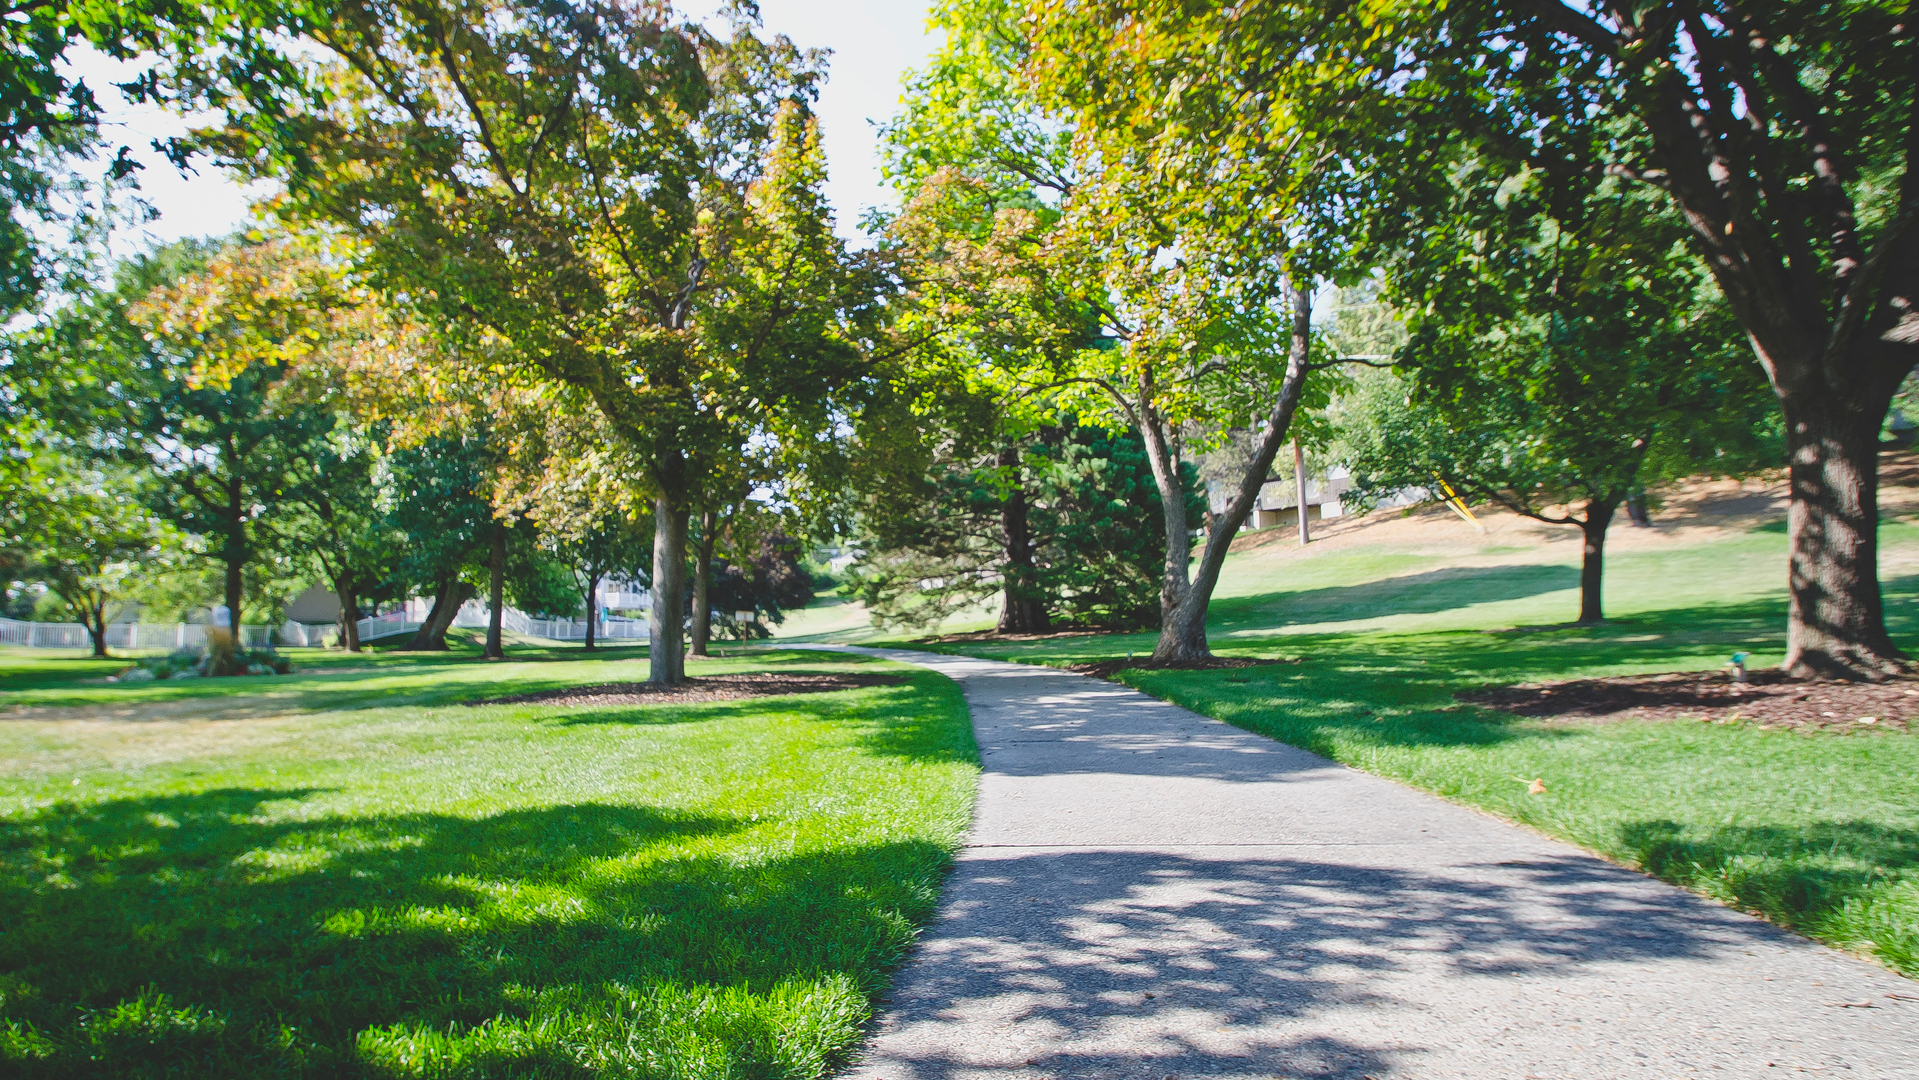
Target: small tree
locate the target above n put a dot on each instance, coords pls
(89, 538)
(438, 496)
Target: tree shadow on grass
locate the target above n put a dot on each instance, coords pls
(203, 935)
(921, 719)
(1818, 876)
(430, 683)
(1426, 593)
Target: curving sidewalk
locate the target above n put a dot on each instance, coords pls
(1149, 893)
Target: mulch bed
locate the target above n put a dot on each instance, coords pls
(1767, 699)
(705, 688)
(1107, 668)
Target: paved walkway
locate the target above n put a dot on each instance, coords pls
(1149, 893)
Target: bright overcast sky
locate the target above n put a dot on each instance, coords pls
(874, 43)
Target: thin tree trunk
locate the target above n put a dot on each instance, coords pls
(1837, 625)
(1637, 511)
(349, 617)
(496, 592)
(702, 575)
(666, 635)
(97, 629)
(226, 659)
(592, 609)
(1023, 605)
(1184, 597)
(1593, 560)
(1299, 492)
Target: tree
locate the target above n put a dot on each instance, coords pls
(1559, 332)
(87, 536)
(439, 496)
(50, 120)
(180, 372)
(590, 183)
(337, 488)
(1781, 133)
(1088, 533)
(1199, 283)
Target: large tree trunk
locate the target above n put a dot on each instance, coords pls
(450, 593)
(349, 616)
(496, 593)
(702, 575)
(1184, 596)
(224, 655)
(1837, 623)
(592, 609)
(666, 659)
(1023, 609)
(96, 615)
(1593, 560)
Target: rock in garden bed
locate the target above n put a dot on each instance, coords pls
(1768, 699)
(704, 688)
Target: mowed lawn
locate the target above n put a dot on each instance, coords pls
(346, 872)
(1817, 832)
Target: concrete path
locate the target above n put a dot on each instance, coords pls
(1149, 893)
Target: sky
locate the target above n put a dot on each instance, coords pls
(874, 43)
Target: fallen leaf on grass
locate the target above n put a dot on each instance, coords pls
(1537, 787)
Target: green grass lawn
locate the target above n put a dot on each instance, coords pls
(1817, 832)
(344, 872)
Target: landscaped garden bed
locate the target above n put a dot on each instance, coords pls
(1767, 699)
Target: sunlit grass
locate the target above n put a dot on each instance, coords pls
(382, 882)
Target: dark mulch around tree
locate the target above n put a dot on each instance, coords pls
(1768, 699)
(1107, 668)
(705, 688)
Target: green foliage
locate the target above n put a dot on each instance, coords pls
(1559, 334)
(702, 891)
(436, 494)
(936, 546)
(1102, 539)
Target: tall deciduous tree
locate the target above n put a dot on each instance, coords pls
(1558, 334)
(1192, 270)
(1782, 133)
(590, 182)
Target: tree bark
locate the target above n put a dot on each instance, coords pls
(666, 636)
(1637, 512)
(226, 660)
(1185, 596)
(702, 575)
(450, 593)
(1299, 493)
(97, 627)
(349, 617)
(592, 609)
(496, 593)
(1837, 624)
(1592, 563)
(1023, 607)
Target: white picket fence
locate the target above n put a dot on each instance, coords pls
(474, 617)
(130, 636)
(49, 635)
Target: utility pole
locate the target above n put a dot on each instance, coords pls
(1299, 484)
